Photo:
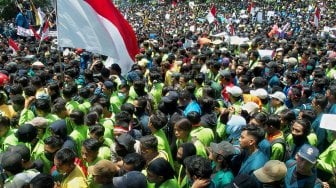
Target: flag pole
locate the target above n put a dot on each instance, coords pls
(58, 46)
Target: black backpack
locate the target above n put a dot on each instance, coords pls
(287, 148)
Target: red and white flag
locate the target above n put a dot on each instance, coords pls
(36, 35)
(317, 16)
(45, 31)
(99, 27)
(250, 7)
(174, 3)
(12, 44)
(211, 17)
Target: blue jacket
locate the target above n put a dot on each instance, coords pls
(253, 162)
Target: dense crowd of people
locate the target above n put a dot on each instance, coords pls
(235, 102)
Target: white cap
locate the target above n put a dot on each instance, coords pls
(250, 107)
(279, 95)
(261, 93)
(235, 91)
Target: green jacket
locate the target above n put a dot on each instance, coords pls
(26, 115)
(163, 145)
(205, 135)
(327, 159)
(9, 139)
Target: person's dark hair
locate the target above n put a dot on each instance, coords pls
(199, 78)
(149, 142)
(16, 89)
(332, 88)
(23, 81)
(206, 104)
(104, 102)
(306, 126)
(261, 117)
(18, 100)
(189, 149)
(66, 156)
(256, 132)
(184, 124)
(29, 90)
(77, 116)
(158, 120)
(123, 116)
(308, 115)
(4, 121)
(287, 115)
(161, 167)
(259, 82)
(42, 181)
(12, 162)
(53, 141)
(84, 92)
(194, 117)
(208, 91)
(21, 149)
(36, 81)
(128, 107)
(185, 95)
(97, 108)
(91, 118)
(136, 160)
(321, 100)
(58, 107)
(142, 103)
(68, 92)
(97, 130)
(43, 105)
(274, 121)
(91, 144)
(198, 166)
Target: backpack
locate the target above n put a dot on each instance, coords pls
(286, 146)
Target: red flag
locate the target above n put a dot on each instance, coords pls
(250, 7)
(45, 31)
(174, 3)
(232, 30)
(211, 17)
(13, 45)
(37, 36)
(106, 30)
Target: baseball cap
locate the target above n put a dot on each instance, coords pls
(309, 153)
(26, 133)
(223, 148)
(243, 180)
(235, 91)
(108, 84)
(103, 168)
(279, 95)
(133, 179)
(250, 107)
(260, 93)
(126, 140)
(273, 170)
(171, 96)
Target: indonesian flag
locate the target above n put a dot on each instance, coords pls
(317, 16)
(13, 45)
(45, 31)
(174, 3)
(211, 17)
(99, 27)
(232, 30)
(250, 7)
(36, 35)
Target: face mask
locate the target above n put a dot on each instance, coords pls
(179, 160)
(299, 140)
(121, 96)
(49, 156)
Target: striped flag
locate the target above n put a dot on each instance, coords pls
(99, 27)
(317, 16)
(211, 17)
(12, 44)
(45, 30)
